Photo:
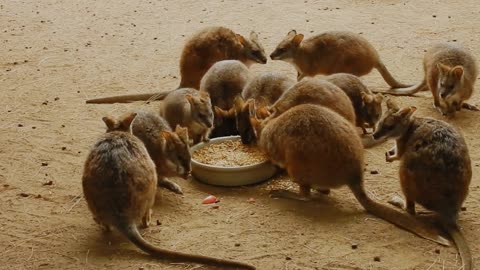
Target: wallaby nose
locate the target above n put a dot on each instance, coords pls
(272, 56)
(264, 60)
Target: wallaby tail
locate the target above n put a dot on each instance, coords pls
(130, 98)
(461, 244)
(407, 91)
(404, 221)
(368, 141)
(388, 77)
(132, 233)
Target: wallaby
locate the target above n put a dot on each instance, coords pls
(119, 184)
(264, 90)
(368, 106)
(450, 72)
(223, 82)
(331, 52)
(315, 91)
(435, 167)
(214, 44)
(321, 149)
(168, 149)
(189, 108)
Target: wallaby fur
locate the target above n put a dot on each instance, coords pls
(189, 108)
(450, 72)
(168, 149)
(119, 183)
(214, 44)
(223, 82)
(368, 106)
(435, 167)
(331, 52)
(315, 91)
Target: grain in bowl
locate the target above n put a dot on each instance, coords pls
(229, 153)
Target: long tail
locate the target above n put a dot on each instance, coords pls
(404, 221)
(130, 98)
(368, 141)
(461, 244)
(407, 91)
(131, 232)
(388, 77)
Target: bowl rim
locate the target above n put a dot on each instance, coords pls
(222, 168)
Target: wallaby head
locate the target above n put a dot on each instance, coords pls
(395, 122)
(252, 48)
(177, 151)
(223, 115)
(201, 109)
(449, 80)
(451, 104)
(372, 108)
(124, 123)
(287, 47)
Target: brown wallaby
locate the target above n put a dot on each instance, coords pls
(223, 82)
(315, 91)
(321, 149)
(435, 167)
(331, 52)
(368, 106)
(214, 44)
(450, 74)
(264, 90)
(189, 108)
(119, 184)
(168, 149)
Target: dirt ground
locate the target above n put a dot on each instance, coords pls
(55, 54)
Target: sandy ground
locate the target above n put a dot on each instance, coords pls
(54, 54)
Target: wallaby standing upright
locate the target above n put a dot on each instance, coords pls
(331, 52)
(368, 106)
(168, 149)
(119, 183)
(450, 74)
(223, 82)
(189, 108)
(435, 167)
(321, 149)
(214, 44)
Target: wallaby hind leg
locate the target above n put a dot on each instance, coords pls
(147, 218)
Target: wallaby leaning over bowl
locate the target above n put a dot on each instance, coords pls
(321, 149)
(331, 52)
(119, 183)
(168, 149)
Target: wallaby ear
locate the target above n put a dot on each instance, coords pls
(367, 98)
(204, 94)
(109, 122)
(378, 98)
(442, 68)
(219, 112)
(261, 101)
(263, 113)
(238, 103)
(458, 71)
(407, 112)
(166, 135)
(253, 36)
(241, 39)
(297, 39)
(392, 105)
(190, 99)
(292, 33)
(182, 133)
(128, 119)
(251, 108)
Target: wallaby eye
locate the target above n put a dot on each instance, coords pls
(281, 50)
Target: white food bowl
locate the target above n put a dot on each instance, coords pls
(230, 176)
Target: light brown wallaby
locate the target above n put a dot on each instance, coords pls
(214, 44)
(321, 149)
(368, 106)
(331, 52)
(119, 184)
(168, 149)
(315, 91)
(435, 167)
(450, 74)
(264, 90)
(223, 82)
(189, 108)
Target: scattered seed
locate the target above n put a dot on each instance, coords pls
(376, 258)
(288, 258)
(373, 172)
(159, 222)
(354, 246)
(20, 125)
(463, 208)
(23, 194)
(237, 244)
(44, 164)
(437, 251)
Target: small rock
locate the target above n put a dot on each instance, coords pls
(57, 98)
(215, 206)
(34, 127)
(237, 244)
(45, 103)
(20, 125)
(6, 185)
(48, 183)
(64, 148)
(437, 251)
(288, 258)
(23, 194)
(63, 126)
(463, 208)
(376, 258)
(434, 16)
(159, 222)
(38, 196)
(354, 246)
(44, 164)
(373, 172)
